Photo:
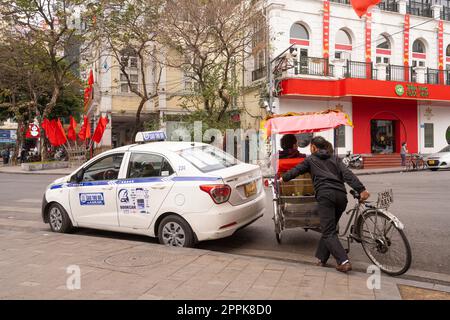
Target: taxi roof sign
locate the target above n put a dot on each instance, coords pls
(150, 136)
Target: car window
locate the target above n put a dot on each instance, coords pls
(208, 158)
(144, 165)
(446, 149)
(105, 169)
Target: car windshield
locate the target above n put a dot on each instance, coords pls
(446, 149)
(208, 158)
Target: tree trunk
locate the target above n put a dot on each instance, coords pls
(138, 122)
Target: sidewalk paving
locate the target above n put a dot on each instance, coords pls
(34, 265)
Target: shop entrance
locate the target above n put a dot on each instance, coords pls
(383, 134)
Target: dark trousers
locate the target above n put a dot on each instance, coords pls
(403, 156)
(331, 206)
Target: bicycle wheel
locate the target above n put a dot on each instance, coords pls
(385, 245)
(409, 166)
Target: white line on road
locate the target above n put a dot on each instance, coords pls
(29, 200)
(20, 209)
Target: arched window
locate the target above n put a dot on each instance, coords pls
(343, 38)
(383, 43)
(299, 35)
(447, 58)
(383, 49)
(299, 32)
(343, 45)
(419, 47)
(419, 55)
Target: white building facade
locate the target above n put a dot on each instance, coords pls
(389, 70)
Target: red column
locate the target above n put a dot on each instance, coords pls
(326, 33)
(369, 45)
(441, 51)
(406, 46)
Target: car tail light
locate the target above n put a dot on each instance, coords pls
(220, 193)
(266, 183)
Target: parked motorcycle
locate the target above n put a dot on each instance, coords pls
(353, 160)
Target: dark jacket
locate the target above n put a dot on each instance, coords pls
(290, 154)
(328, 172)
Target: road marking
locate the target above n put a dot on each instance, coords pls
(20, 209)
(29, 200)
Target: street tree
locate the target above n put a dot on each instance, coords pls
(26, 86)
(211, 41)
(52, 27)
(127, 31)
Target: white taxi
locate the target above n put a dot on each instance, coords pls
(179, 192)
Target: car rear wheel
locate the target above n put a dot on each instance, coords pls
(59, 219)
(433, 169)
(175, 231)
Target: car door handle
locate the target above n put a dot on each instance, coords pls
(158, 187)
(107, 188)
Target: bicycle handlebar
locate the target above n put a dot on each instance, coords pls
(355, 194)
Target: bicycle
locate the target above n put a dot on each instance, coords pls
(416, 162)
(381, 240)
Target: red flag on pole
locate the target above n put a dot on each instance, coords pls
(91, 78)
(71, 134)
(49, 127)
(101, 126)
(60, 134)
(85, 131)
(362, 6)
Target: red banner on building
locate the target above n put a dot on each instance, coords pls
(406, 46)
(326, 33)
(441, 51)
(369, 45)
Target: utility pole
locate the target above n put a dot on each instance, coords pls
(270, 77)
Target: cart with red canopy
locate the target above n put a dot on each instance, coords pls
(294, 202)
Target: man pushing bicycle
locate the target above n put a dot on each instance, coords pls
(329, 175)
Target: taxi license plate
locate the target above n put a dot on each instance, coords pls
(431, 162)
(250, 189)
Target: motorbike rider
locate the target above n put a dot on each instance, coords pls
(328, 174)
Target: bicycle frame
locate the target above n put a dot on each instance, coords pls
(356, 213)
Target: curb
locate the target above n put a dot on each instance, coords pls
(36, 173)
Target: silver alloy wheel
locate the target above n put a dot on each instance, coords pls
(173, 235)
(56, 218)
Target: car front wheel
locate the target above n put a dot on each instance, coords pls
(59, 219)
(175, 231)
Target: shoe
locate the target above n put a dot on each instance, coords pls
(344, 267)
(322, 264)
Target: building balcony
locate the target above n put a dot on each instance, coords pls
(259, 73)
(419, 8)
(323, 69)
(389, 5)
(386, 5)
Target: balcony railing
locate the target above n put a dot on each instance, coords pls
(445, 13)
(388, 5)
(321, 67)
(313, 67)
(341, 1)
(419, 8)
(259, 73)
(359, 70)
(396, 73)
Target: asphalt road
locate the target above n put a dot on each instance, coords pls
(421, 202)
